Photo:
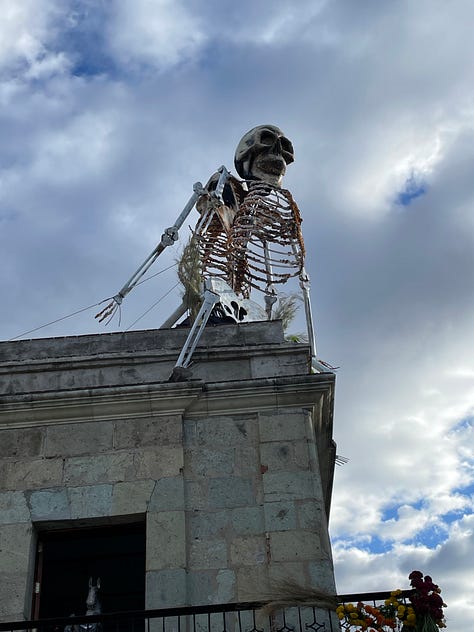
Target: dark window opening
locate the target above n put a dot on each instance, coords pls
(67, 558)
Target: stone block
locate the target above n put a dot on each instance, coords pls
(231, 492)
(165, 540)
(206, 554)
(196, 495)
(288, 486)
(13, 508)
(227, 431)
(21, 442)
(248, 520)
(209, 463)
(309, 515)
(33, 474)
(12, 616)
(12, 595)
(49, 504)
(226, 588)
(221, 369)
(252, 583)
(288, 364)
(291, 546)
(159, 462)
(246, 462)
(280, 516)
(91, 501)
(201, 586)
(152, 431)
(15, 541)
(133, 497)
(80, 438)
(248, 551)
(283, 425)
(321, 574)
(165, 589)
(303, 451)
(281, 572)
(284, 455)
(103, 468)
(189, 433)
(207, 524)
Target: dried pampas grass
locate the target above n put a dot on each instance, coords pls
(189, 274)
(289, 594)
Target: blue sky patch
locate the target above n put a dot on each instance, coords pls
(430, 536)
(453, 516)
(82, 39)
(377, 545)
(466, 490)
(413, 189)
(391, 511)
(370, 543)
(464, 424)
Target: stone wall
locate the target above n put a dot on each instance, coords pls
(226, 472)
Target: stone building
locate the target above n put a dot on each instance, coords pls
(206, 491)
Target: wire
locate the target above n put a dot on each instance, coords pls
(84, 309)
(173, 265)
(154, 305)
(79, 311)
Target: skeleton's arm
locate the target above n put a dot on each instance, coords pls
(167, 239)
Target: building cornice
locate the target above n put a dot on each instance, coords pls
(191, 399)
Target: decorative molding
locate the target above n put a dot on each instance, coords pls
(190, 399)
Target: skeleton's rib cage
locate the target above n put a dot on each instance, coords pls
(267, 244)
(214, 228)
(254, 240)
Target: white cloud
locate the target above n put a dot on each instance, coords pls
(450, 565)
(160, 33)
(26, 28)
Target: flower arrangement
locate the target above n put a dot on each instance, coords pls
(366, 617)
(424, 613)
(427, 603)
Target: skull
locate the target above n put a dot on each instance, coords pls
(263, 154)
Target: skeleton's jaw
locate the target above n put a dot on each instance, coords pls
(269, 168)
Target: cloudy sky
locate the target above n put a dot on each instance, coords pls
(112, 109)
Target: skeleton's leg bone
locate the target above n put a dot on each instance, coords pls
(210, 299)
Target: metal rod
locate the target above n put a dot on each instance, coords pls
(210, 299)
(168, 238)
(221, 183)
(305, 286)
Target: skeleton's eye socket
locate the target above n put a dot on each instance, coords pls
(267, 138)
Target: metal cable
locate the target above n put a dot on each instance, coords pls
(84, 309)
(153, 306)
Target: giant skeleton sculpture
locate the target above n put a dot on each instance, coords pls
(248, 236)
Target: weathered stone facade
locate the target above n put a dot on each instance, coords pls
(232, 471)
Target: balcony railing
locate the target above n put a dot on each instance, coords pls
(234, 617)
